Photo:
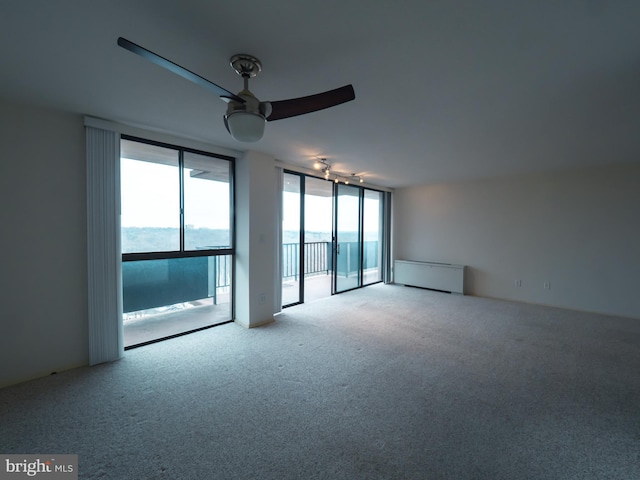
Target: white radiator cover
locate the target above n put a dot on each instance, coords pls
(437, 276)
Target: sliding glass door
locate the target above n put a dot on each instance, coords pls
(292, 239)
(332, 237)
(306, 238)
(318, 221)
(348, 241)
(372, 234)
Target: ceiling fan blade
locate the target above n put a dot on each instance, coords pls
(299, 106)
(177, 69)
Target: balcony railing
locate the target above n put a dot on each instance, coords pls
(153, 283)
(318, 258)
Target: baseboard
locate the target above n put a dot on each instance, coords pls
(254, 325)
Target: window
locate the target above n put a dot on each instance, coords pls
(150, 198)
(177, 240)
(207, 202)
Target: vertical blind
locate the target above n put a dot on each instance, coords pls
(103, 249)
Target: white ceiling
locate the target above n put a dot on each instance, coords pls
(446, 90)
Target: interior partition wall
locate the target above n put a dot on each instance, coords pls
(177, 240)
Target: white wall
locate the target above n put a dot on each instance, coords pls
(43, 272)
(578, 230)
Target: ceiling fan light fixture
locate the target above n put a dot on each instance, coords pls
(245, 126)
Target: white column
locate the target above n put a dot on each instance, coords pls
(255, 211)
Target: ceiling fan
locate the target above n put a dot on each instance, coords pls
(246, 115)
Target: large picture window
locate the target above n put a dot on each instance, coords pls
(177, 240)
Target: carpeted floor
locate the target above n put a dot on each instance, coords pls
(386, 382)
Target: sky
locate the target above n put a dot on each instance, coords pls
(318, 216)
(150, 198)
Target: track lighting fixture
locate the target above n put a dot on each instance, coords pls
(322, 165)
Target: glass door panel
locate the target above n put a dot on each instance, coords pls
(372, 227)
(318, 222)
(291, 239)
(347, 238)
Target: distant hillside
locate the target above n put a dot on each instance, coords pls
(151, 239)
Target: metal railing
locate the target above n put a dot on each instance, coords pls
(152, 283)
(318, 257)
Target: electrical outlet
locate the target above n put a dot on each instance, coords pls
(262, 298)
(547, 285)
(518, 283)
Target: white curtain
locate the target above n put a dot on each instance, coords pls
(277, 295)
(103, 239)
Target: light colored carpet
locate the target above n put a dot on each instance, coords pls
(386, 382)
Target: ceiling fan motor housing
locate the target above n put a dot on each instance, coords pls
(251, 105)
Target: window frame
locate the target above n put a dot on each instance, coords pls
(182, 253)
(384, 237)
